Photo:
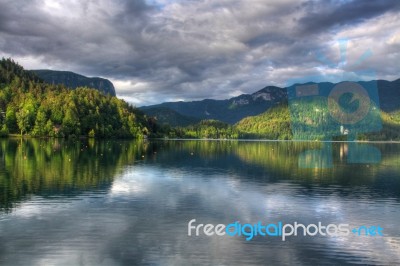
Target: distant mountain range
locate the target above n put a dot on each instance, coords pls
(229, 111)
(235, 109)
(167, 116)
(73, 80)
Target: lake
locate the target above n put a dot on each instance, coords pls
(92, 202)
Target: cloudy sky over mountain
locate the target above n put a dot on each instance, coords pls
(167, 50)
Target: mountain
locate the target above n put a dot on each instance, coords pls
(235, 109)
(167, 116)
(29, 106)
(73, 80)
(389, 95)
(229, 111)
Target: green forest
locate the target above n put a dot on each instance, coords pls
(32, 107)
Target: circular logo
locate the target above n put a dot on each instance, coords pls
(357, 96)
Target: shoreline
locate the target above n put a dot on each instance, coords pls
(17, 136)
(278, 140)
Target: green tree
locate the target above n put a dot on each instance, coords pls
(40, 124)
(11, 119)
(70, 122)
(23, 120)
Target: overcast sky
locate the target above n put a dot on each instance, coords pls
(166, 50)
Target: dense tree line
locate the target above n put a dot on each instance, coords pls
(205, 129)
(272, 124)
(29, 106)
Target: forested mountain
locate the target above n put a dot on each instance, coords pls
(73, 80)
(277, 124)
(229, 111)
(233, 110)
(30, 106)
(272, 124)
(167, 116)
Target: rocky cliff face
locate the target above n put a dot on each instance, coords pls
(73, 80)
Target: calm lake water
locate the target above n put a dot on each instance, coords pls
(129, 202)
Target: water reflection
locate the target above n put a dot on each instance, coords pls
(59, 167)
(77, 207)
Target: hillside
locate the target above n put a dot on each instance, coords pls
(229, 111)
(32, 107)
(73, 80)
(276, 123)
(234, 109)
(167, 116)
(272, 124)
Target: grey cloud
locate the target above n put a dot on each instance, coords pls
(323, 15)
(186, 50)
